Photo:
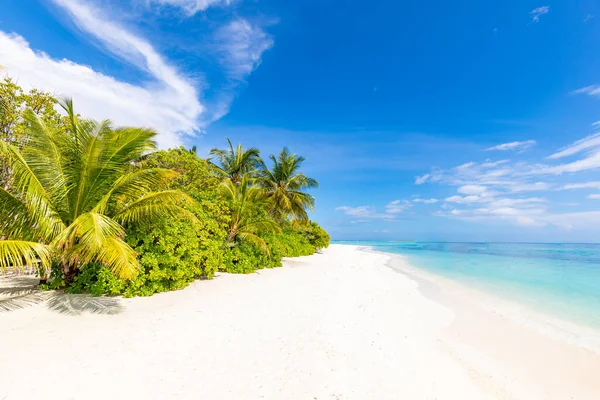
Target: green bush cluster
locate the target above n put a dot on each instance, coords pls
(174, 253)
(247, 257)
(167, 217)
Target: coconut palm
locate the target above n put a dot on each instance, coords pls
(285, 187)
(249, 216)
(73, 191)
(236, 163)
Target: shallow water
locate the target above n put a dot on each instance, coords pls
(561, 280)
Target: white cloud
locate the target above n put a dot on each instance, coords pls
(590, 162)
(131, 48)
(464, 200)
(190, 7)
(472, 189)
(587, 143)
(513, 146)
(536, 13)
(359, 211)
(240, 46)
(160, 105)
(369, 212)
(486, 191)
(419, 180)
(397, 206)
(592, 90)
(529, 187)
(597, 123)
(584, 185)
(364, 212)
(425, 201)
(168, 100)
(528, 221)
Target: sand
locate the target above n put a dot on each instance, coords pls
(345, 324)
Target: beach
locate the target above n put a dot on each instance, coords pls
(348, 323)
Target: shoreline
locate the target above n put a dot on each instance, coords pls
(499, 340)
(345, 324)
(575, 333)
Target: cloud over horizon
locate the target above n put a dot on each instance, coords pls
(492, 190)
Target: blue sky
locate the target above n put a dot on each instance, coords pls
(457, 122)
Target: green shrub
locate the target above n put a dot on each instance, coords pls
(175, 253)
(97, 280)
(316, 236)
(245, 258)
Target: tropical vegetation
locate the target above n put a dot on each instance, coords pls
(92, 207)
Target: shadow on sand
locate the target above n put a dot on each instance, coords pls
(22, 291)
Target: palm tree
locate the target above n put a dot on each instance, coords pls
(73, 191)
(248, 213)
(236, 163)
(285, 186)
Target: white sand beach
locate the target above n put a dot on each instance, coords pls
(337, 325)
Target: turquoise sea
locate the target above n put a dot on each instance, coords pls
(561, 280)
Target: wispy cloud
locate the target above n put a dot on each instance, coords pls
(587, 143)
(538, 12)
(490, 190)
(190, 7)
(419, 180)
(513, 146)
(364, 212)
(239, 47)
(392, 209)
(595, 196)
(425, 201)
(171, 111)
(592, 90)
(397, 206)
(584, 185)
(472, 189)
(169, 100)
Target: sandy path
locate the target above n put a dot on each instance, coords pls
(338, 325)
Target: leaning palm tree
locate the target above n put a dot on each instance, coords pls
(285, 187)
(73, 191)
(248, 213)
(236, 163)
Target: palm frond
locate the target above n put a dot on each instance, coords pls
(96, 237)
(254, 239)
(132, 186)
(120, 258)
(152, 206)
(19, 255)
(34, 195)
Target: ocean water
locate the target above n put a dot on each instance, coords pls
(561, 280)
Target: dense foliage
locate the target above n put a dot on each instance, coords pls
(107, 214)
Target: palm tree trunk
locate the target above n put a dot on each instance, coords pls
(69, 273)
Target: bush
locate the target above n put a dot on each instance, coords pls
(175, 253)
(316, 236)
(246, 258)
(97, 280)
